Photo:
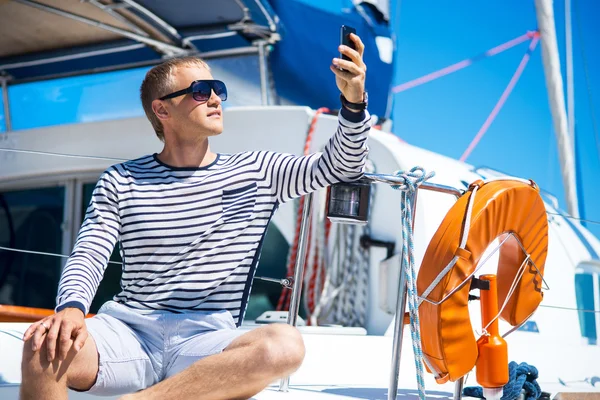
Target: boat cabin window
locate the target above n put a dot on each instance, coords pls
(31, 219)
(587, 291)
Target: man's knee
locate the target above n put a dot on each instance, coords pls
(282, 348)
(78, 370)
(35, 364)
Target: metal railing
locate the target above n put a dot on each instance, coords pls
(401, 302)
(298, 274)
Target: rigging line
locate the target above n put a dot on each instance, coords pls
(48, 153)
(571, 309)
(575, 218)
(463, 64)
(42, 253)
(587, 78)
(503, 98)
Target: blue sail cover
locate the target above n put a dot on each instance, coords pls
(310, 36)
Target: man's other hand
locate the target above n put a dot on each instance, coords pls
(351, 81)
(64, 330)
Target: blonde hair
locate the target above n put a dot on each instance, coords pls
(158, 82)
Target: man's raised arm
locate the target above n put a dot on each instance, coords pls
(344, 156)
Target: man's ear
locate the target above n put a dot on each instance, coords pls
(160, 110)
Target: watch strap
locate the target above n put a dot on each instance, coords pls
(355, 106)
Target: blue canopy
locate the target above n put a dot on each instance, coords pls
(69, 37)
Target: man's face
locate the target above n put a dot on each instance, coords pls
(189, 117)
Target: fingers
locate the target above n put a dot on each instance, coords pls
(341, 74)
(80, 339)
(65, 342)
(354, 56)
(30, 331)
(38, 335)
(51, 339)
(351, 70)
(360, 46)
(348, 66)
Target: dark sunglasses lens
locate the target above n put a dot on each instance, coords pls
(201, 91)
(220, 90)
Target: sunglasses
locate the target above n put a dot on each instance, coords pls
(201, 91)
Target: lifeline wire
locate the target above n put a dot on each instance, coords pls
(575, 218)
(118, 263)
(42, 253)
(47, 153)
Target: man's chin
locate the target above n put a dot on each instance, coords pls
(214, 128)
(214, 131)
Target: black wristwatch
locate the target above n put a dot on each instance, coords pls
(355, 106)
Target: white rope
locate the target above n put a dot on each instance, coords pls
(412, 180)
(322, 262)
(343, 299)
(331, 287)
(343, 312)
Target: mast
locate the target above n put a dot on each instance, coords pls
(569, 62)
(554, 85)
(571, 109)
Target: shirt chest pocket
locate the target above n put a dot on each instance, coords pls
(238, 204)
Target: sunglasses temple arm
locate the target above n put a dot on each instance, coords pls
(178, 93)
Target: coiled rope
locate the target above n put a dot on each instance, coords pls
(522, 377)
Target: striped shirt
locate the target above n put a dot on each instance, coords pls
(190, 238)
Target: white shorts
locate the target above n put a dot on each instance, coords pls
(137, 350)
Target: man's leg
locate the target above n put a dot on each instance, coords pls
(247, 366)
(49, 380)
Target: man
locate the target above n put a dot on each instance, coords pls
(190, 224)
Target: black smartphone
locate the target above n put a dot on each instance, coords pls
(345, 32)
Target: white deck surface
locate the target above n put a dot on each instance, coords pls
(357, 367)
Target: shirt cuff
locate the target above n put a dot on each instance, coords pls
(71, 304)
(352, 116)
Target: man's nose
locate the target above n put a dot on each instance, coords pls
(213, 100)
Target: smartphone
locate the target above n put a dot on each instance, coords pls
(345, 32)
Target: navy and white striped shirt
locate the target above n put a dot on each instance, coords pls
(191, 237)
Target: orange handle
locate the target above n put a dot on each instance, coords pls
(492, 363)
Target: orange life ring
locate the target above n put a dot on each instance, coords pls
(499, 207)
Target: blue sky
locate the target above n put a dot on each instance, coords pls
(444, 115)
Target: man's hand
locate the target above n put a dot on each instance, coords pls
(65, 328)
(351, 81)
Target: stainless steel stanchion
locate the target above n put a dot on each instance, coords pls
(458, 388)
(398, 333)
(399, 322)
(298, 274)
